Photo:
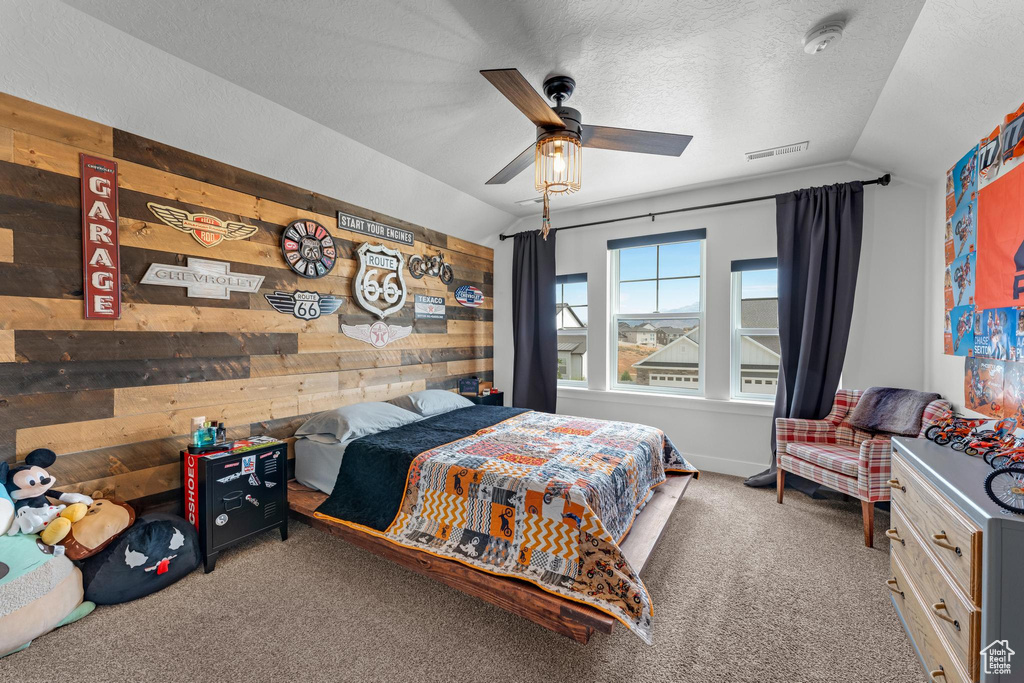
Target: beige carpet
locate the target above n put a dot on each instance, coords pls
(744, 590)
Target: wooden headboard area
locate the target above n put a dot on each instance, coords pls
(114, 398)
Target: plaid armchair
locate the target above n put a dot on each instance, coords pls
(835, 454)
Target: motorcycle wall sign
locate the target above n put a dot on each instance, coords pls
(379, 284)
(433, 266)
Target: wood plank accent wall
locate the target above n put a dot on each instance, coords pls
(114, 399)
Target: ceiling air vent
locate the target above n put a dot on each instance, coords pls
(531, 200)
(778, 151)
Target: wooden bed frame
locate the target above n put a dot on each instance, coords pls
(571, 619)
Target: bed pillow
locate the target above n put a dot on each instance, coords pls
(352, 422)
(431, 402)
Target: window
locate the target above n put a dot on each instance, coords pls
(755, 325)
(571, 313)
(657, 312)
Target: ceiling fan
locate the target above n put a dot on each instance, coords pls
(561, 133)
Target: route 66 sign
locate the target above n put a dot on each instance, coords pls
(379, 283)
(304, 305)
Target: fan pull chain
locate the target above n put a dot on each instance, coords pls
(545, 226)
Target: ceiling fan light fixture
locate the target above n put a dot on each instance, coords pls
(558, 162)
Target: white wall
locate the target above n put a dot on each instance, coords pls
(718, 434)
(62, 58)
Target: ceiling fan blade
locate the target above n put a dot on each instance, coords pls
(519, 92)
(630, 140)
(514, 167)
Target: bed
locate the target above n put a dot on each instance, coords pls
(548, 516)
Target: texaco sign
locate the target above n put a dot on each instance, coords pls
(380, 284)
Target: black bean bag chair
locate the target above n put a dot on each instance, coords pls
(152, 554)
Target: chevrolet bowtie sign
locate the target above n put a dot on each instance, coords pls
(203, 279)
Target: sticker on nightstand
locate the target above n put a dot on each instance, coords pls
(270, 484)
(230, 477)
(253, 480)
(248, 464)
(221, 520)
(252, 500)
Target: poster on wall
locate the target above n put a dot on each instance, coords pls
(947, 294)
(961, 180)
(959, 335)
(101, 260)
(962, 273)
(1013, 138)
(989, 157)
(963, 224)
(983, 385)
(1013, 391)
(1001, 241)
(995, 333)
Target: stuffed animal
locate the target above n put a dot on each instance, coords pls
(39, 591)
(6, 504)
(34, 513)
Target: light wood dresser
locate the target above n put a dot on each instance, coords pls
(957, 562)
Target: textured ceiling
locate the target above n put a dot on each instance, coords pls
(956, 79)
(402, 77)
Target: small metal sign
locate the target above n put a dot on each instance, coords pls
(308, 248)
(378, 334)
(429, 307)
(203, 279)
(304, 305)
(468, 295)
(208, 230)
(347, 221)
(371, 287)
(100, 254)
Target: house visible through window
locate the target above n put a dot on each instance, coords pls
(571, 315)
(755, 321)
(657, 311)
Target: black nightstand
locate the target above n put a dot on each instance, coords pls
(236, 493)
(495, 399)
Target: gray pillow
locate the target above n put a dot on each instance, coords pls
(352, 422)
(431, 402)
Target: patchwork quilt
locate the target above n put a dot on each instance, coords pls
(540, 497)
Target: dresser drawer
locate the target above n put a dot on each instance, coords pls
(952, 613)
(941, 666)
(955, 540)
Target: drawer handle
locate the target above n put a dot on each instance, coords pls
(940, 610)
(942, 541)
(893, 535)
(937, 674)
(894, 586)
(895, 484)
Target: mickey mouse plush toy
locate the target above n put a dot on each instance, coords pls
(34, 513)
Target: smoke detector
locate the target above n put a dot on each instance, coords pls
(824, 37)
(778, 151)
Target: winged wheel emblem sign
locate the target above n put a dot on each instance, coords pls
(208, 230)
(380, 283)
(304, 305)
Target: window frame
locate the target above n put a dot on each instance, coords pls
(614, 317)
(736, 337)
(584, 383)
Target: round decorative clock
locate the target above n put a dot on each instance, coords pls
(308, 248)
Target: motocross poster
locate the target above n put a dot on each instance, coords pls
(959, 336)
(989, 157)
(983, 385)
(962, 272)
(961, 181)
(995, 333)
(1013, 391)
(963, 224)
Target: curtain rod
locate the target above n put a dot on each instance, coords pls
(883, 181)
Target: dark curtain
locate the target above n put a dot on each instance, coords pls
(534, 332)
(819, 237)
